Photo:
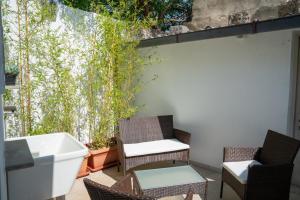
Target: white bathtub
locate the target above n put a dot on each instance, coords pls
(57, 159)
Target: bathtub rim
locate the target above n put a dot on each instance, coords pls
(83, 151)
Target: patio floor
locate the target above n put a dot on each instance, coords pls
(109, 177)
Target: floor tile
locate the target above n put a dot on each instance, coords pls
(111, 175)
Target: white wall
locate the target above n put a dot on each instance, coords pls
(225, 92)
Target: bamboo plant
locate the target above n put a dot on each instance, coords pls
(56, 85)
(119, 65)
(105, 84)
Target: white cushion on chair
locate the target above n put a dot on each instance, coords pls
(240, 169)
(153, 147)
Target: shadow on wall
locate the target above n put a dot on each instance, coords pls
(164, 107)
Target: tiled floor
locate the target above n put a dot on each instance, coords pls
(110, 176)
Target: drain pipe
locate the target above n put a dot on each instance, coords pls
(3, 190)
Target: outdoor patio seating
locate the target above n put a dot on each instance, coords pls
(151, 139)
(126, 189)
(261, 173)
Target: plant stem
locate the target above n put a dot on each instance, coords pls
(27, 70)
(20, 64)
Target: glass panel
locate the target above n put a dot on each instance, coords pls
(164, 177)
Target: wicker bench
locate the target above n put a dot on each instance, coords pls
(145, 140)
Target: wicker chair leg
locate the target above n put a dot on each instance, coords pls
(221, 190)
(173, 162)
(245, 196)
(124, 170)
(118, 166)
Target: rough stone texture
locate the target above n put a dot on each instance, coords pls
(173, 30)
(219, 13)
(265, 12)
(239, 18)
(179, 29)
(289, 8)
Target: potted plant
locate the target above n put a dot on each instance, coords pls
(113, 82)
(84, 170)
(11, 73)
(103, 153)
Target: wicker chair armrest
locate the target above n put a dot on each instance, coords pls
(189, 195)
(270, 174)
(125, 184)
(231, 154)
(182, 136)
(94, 189)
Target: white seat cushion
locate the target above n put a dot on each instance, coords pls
(240, 169)
(152, 147)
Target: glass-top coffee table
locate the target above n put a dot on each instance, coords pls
(170, 181)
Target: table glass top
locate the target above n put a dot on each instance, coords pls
(165, 177)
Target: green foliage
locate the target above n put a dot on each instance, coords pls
(46, 99)
(12, 69)
(56, 85)
(7, 95)
(118, 64)
(80, 4)
(24, 23)
(165, 13)
(108, 78)
(48, 10)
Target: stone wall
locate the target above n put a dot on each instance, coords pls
(219, 13)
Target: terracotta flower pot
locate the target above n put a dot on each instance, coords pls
(84, 170)
(103, 158)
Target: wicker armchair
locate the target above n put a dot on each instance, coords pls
(125, 189)
(138, 134)
(261, 173)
